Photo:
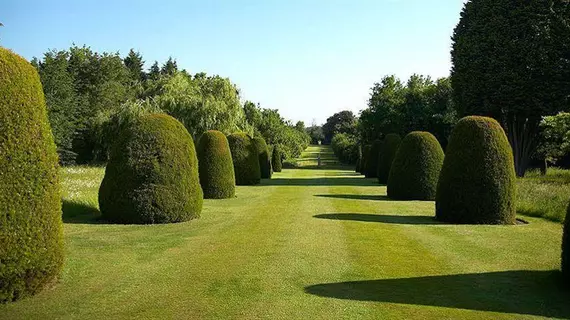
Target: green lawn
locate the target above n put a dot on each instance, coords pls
(308, 244)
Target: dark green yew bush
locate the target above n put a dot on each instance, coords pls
(245, 158)
(371, 169)
(264, 159)
(216, 168)
(389, 148)
(277, 159)
(365, 155)
(152, 174)
(31, 236)
(416, 167)
(477, 180)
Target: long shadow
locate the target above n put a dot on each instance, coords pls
(319, 182)
(356, 196)
(83, 213)
(525, 292)
(389, 219)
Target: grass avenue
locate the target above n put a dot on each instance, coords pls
(312, 242)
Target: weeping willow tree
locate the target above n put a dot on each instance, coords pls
(511, 61)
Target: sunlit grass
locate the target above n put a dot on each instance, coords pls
(544, 196)
(309, 244)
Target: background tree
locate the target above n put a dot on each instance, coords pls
(511, 61)
(341, 122)
(135, 64)
(169, 68)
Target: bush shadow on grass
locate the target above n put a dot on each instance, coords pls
(354, 181)
(537, 293)
(80, 212)
(356, 196)
(379, 218)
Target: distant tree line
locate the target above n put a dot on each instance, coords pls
(92, 96)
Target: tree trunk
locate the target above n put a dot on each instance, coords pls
(522, 133)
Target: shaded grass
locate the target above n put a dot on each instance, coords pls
(544, 196)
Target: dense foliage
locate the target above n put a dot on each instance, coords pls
(477, 180)
(341, 122)
(389, 149)
(269, 124)
(419, 105)
(554, 137)
(345, 148)
(566, 249)
(31, 231)
(215, 165)
(245, 159)
(277, 159)
(264, 159)
(511, 62)
(88, 94)
(416, 167)
(152, 174)
(371, 169)
(316, 133)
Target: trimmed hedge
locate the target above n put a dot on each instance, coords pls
(389, 148)
(245, 158)
(566, 249)
(152, 174)
(215, 166)
(416, 167)
(264, 159)
(277, 159)
(477, 180)
(371, 171)
(31, 230)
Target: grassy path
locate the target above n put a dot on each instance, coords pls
(308, 244)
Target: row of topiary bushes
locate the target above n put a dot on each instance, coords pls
(473, 183)
(154, 175)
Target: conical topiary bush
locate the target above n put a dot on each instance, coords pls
(416, 167)
(389, 148)
(152, 174)
(245, 158)
(370, 171)
(31, 230)
(277, 159)
(215, 165)
(264, 159)
(477, 180)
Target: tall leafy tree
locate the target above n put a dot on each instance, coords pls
(154, 71)
(340, 122)
(61, 100)
(169, 68)
(511, 61)
(134, 63)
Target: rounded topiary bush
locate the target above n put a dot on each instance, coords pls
(566, 249)
(389, 148)
(277, 159)
(152, 174)
(245, 158)
(31, 236)
(264, 160)
(477, 180)
(416, 167)
(216, 168)
(370, 171)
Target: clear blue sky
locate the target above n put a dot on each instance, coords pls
(309, 59)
